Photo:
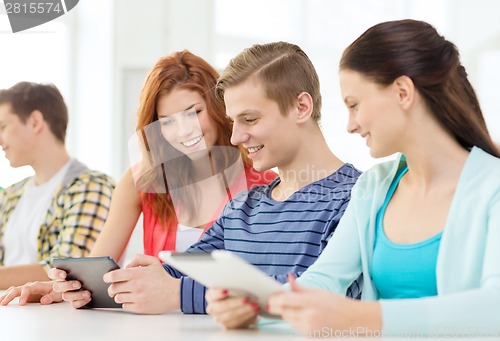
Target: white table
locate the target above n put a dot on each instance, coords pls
(60, 322)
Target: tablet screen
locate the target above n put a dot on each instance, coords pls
(89, 271)
(225, 270)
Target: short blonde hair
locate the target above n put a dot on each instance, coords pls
(284, 70)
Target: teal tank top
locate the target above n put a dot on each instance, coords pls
(403, 270)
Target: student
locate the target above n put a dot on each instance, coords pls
(61, 209)
(424, 229)
(272, 95)
(177, 105)
(188, 136)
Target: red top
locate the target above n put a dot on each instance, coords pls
(158, 237)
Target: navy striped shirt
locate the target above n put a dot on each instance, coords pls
(277, 237)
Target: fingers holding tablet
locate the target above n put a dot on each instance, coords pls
(223, 269)
(231, 311)
(80, 280)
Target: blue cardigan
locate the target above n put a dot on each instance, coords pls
(468, 264)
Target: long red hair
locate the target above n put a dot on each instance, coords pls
(187, 71)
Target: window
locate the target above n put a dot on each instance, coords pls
(323, 28)
(38, 55)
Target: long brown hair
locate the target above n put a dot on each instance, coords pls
(415, 49)
(187, 71)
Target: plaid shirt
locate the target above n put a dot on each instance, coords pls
(75, 216)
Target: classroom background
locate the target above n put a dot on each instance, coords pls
(99, 53)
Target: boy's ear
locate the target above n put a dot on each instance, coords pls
(304, 107)
(36, 120)
(405, 91)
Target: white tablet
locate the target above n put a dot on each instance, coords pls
(223, 269)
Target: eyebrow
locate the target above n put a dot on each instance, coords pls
(247, 112)
(190, 107)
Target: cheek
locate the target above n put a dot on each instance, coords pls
(208, 127)
(168, 133)
(373, 117)
(20, 138)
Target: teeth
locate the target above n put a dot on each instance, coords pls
(255, 149)
(192, 142)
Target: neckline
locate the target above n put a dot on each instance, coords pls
(276, 181)
(380, 226)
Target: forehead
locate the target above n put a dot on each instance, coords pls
(355, 84)
(248, 96)
(178, 100)
(349, 78)
(6, 113)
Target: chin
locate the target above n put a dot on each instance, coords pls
(260, 167)
(374, 154)
(377, 154)
(197, 155)
(15, 164)
(200, 152)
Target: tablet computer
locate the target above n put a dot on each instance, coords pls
(89, 272)
(223, 269)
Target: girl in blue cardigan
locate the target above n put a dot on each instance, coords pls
(424, 230)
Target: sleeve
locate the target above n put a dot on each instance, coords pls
(193, 293)
(80, 214)
(354, 290)
(475, 312)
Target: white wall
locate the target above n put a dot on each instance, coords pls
(110, 46)
(141, 37)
